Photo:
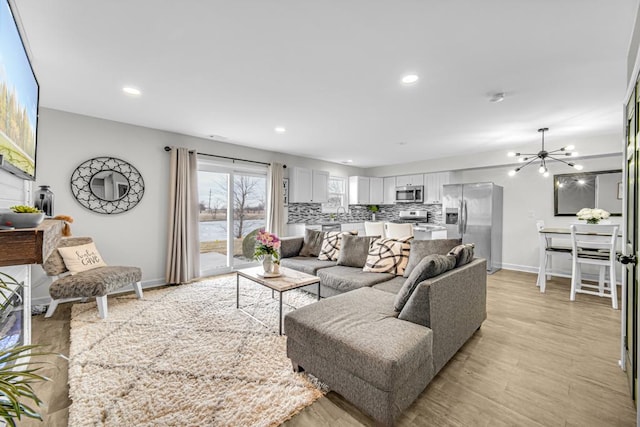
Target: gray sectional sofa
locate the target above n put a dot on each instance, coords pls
(359, 343)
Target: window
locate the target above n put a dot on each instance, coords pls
(232, 208)
(337, 193)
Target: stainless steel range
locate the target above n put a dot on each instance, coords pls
(413, 216)
(422, 230)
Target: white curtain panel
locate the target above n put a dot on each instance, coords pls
(275, 199)
(183, 251)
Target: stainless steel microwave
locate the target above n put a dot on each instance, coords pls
(410, 194)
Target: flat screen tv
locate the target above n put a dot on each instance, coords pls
(19, 92)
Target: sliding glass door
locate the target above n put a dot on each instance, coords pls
(232, 210)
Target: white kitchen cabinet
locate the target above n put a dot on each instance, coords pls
(320, 193)
(433, 183)
(389, 190)
(300, 185)
(376, 191)
(439, 234)
(359, 189)
(354, 226)
(404, 180)
(308, 186)
(295, 229)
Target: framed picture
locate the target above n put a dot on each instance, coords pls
(285, 190)
(620, 191)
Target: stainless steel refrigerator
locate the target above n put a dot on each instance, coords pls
(473, 212)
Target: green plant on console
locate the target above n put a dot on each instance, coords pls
(17, 374)
(24, 209)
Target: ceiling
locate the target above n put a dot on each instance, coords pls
(329, 71)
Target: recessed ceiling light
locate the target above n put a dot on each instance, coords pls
(280, 129)
(402, 143)
(130, 90)
(497, 97)
(410, 79)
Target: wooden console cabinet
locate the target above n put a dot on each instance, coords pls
(29, 245)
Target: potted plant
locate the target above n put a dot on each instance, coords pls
(17, 374)
(22, 216)
(266, 250)
(373, 209)
(592, 216)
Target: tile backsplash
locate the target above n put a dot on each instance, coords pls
(311, 213)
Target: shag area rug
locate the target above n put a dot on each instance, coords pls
(185, 356)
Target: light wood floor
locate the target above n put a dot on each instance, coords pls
(538, 360)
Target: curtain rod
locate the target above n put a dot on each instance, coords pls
(167, 148)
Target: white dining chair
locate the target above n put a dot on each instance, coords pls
(547, 250)
(374, 228)
(397, 231)
(594, 245)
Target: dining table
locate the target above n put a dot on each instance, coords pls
(547, 236)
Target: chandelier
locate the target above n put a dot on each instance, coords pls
(544, 156)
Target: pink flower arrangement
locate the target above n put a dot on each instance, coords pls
(267, 244)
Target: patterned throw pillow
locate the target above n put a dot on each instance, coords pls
(331, 245)
(388, 256)
(463, 253)
(81, 258)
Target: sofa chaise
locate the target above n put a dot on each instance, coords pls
(378, 354)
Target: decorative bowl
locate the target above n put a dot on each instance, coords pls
(21, 220)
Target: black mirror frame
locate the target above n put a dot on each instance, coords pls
(84, 173)
(577, 174)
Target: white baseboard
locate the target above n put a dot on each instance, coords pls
(534, 270)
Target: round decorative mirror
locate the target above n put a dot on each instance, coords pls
(107, 185)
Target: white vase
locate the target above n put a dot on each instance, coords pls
(267, 264)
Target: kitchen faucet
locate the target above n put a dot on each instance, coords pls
(338, 212)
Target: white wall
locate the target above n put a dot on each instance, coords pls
(137, 237)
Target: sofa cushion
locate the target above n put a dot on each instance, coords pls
(358, 331)
(430, 266)
(331, 245)
(345, 279)
(290, 246)
(312, 243)
(306, 264)
(422, 248)
(392, 286)
(354, 250)
(462, 253)
(388, 255)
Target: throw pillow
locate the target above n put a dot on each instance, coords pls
(312, 243)
(463, 254)
(388, 256)
(422, 248)
(429, 266)
(81, 258)
(331, 245)
(354, 250)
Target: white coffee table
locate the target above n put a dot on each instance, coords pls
(288, 280)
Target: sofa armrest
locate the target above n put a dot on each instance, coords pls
(453, 305)
(290, 246)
